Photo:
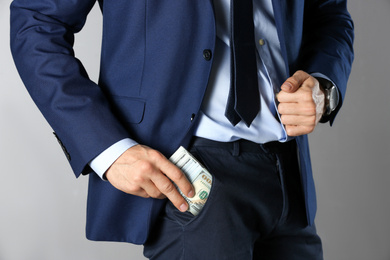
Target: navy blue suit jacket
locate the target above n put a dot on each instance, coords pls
(152, 81)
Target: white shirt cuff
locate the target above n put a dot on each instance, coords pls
(103, 161)
(320, 75)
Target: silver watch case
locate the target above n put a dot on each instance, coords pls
(331, 99)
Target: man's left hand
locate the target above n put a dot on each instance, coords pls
(302, 103)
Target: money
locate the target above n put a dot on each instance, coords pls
(199, 177)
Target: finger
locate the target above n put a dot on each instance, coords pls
(303, 94)
(177, 176)
(293, 83)
(307, 109)
(140, 193)
(152, 190)
(283, 96)
(166, 187)
(294, 130)
(298, 120)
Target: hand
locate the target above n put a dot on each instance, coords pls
(302, 103)
(145, 172)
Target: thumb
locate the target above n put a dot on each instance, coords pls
(294, 82)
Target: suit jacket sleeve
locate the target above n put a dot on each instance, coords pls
(327, 44)
(42, 36)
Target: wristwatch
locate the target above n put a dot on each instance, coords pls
(331, 98)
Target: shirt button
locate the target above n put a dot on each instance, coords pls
(207, 54)
(261, 42)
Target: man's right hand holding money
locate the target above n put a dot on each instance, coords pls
(145, 172)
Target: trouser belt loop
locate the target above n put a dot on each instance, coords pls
(236, 148)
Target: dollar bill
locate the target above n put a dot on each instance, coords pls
(199, 177)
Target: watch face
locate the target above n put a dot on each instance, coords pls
(333, 98)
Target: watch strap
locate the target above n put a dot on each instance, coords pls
(331, 98)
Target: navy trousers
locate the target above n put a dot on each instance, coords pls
(255, 209)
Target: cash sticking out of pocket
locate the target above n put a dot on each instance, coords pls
(200, 178)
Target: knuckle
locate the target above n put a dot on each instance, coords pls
(142, 193)
(290, 131)
(282, 119)
(285, 119)
(176, 175)
(135, 190)
(156, 155)
(309, 121)
(312, 122)
(168, 188)
(308, 97)
(310, 109)
(294, 80)
(145, 166)
(312, 80)
(299, 75)
(138, 178)
(155, 194)
(309, 130)
(281, 108)
(281, 96)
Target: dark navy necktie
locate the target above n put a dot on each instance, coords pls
(244, 98)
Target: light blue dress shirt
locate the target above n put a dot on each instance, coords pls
(212, 123)
(266, 126)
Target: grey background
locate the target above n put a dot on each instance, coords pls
(42, 205)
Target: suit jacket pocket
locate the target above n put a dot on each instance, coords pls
(129, 109)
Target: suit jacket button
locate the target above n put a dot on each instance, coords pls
(207, 54)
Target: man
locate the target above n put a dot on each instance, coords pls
(169, 72)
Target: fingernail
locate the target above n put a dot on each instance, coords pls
(190, 194)
(183, 207)
(286, 86)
